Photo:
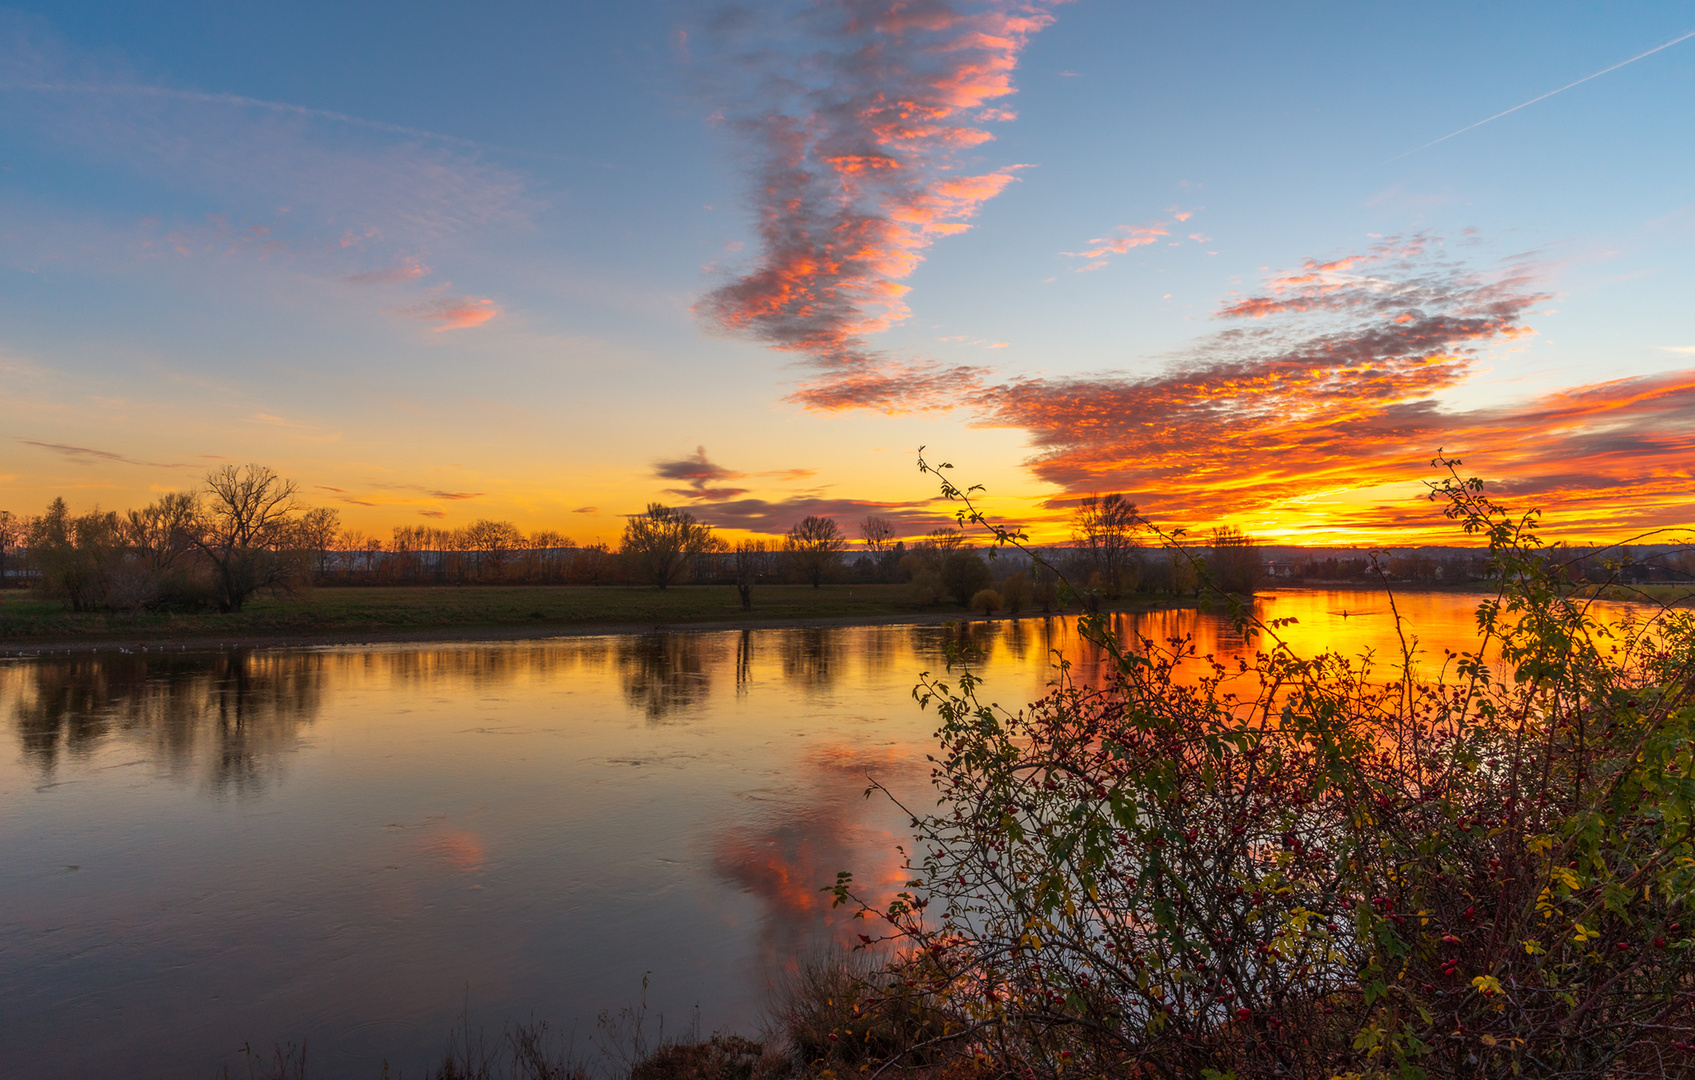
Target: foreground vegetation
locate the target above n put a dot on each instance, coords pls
(1318, 866)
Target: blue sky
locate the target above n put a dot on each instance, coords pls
(459, 261)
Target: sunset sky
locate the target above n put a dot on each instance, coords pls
(548, 262)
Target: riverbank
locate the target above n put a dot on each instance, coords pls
(381, 615)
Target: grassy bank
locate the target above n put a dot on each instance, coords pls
(399, 611)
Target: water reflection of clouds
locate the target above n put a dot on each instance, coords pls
(457, 849)
(823, 825)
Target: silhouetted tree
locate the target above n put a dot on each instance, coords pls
(494, 543)
(1103, 531)
(877, 532)
(315, 535)
(548, 556)
(246, 530)
(162, 532)
(814, 548)
(659, 543)
(753, 562)
(10, 529)
(76, 556)
(1236, 564)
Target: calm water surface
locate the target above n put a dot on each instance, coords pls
(354, 846)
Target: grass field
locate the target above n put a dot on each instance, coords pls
(333, 611)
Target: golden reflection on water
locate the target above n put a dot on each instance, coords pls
(534, 823)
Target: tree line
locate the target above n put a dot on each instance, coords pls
(244, 530)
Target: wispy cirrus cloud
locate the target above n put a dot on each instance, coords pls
(1126, 238)
(88, 456)
(863, 122)
(1100, 250)
(321, 192)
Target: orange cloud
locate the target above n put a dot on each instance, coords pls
(859, 174)
(1347, 389)
(454, 312)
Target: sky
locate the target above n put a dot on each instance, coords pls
(549, 262)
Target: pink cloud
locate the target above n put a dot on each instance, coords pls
(860, 140)
(1124, 238)
(453, 312)
(1119, 241)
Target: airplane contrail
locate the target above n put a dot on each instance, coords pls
(287, 108)
(1544, 97)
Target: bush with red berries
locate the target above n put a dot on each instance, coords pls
(1316, 867)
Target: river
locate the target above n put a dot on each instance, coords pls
(358, 847)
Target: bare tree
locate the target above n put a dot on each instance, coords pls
(549, 554)
(660, 543)
(161, 533)
(876, 532)
(11, 530)
(315, 534)
(494, 543)
(753, 562)
(814, 548)
(943, 540)
(1103, 531)
(245, 531)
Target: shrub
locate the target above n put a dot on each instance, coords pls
(1015, 593)
(925, 589)
(720, 1057)
(988, 601)
(1335, 873)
